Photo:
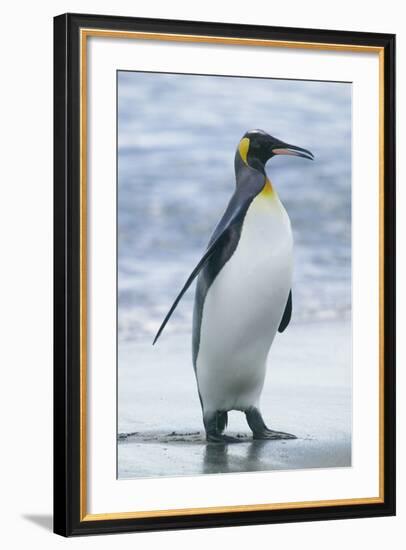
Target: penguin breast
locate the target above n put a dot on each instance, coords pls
(243, 308)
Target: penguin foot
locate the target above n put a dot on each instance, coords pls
(214, 424)
(271, 434)
(221, 438)
(260, 430)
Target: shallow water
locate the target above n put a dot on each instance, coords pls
(177, 136)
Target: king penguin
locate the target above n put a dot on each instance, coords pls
(243, 293)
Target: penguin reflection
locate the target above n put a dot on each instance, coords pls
(243, 293)
(248, 458)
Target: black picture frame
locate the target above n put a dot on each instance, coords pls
(68, 519)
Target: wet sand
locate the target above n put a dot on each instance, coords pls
(307, 392)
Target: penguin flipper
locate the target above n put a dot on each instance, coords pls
(287, 314)
(249, 183)
(215, 243)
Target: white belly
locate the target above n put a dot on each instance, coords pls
(243, 309)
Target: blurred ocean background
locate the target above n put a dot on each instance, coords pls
(177, 136)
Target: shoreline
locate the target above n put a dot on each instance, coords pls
(307, 392)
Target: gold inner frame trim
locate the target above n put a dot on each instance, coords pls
(237, 508)
(173, 37)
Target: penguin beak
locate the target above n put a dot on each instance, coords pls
(287, 149)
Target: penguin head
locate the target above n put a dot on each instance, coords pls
(257, 147)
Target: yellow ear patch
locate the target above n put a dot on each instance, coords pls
(243, 147)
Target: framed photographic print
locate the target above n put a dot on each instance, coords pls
(224, 274)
